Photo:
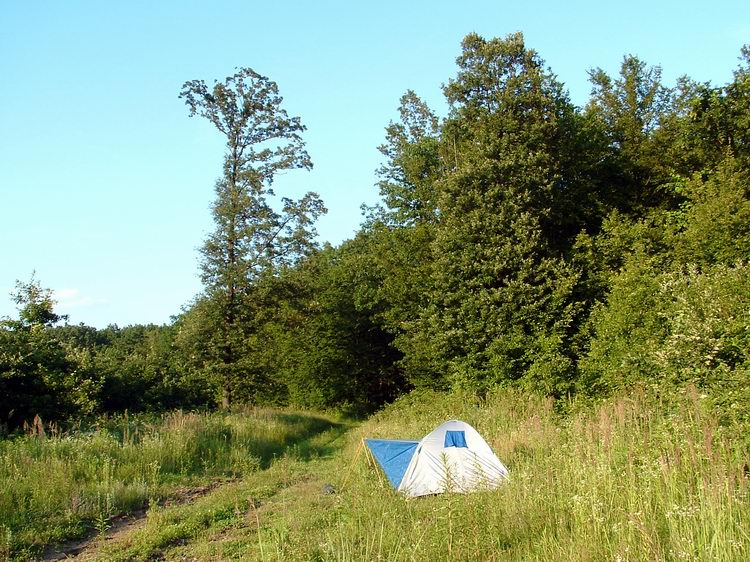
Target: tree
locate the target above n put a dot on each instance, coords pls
(502, 307)
(35, 305)
(328, 343)
(412, 166)
(395, 246)
(632, 107)
(39, 373)
(717, 121)
(251, 239)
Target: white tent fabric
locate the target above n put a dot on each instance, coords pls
(455, 458)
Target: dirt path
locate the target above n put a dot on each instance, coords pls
(122, 525)
(271, 489)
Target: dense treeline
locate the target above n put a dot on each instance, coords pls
(520, 240)
(70, 371)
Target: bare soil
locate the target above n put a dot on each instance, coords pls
(122, 525)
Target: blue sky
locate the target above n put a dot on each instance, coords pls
(105, 182)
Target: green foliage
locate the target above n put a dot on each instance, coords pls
(716, 217)
(520, 241)
(251, 239)
(709, 317)
(329, 344)
(400, 262)
(35, 304)
(413, 164)
(625, 331)
(396, 245)
(632, 108)
(674, 328)
(502, 298)
(143, 370)
(719, 118)
(39, 373)
(63, 373)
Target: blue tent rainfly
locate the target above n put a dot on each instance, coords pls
(393, 456)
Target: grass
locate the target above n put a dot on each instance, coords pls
(61, 487)
(628, 480)
(208, 527)
(635, 478)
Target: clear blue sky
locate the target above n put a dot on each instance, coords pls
(105, 182)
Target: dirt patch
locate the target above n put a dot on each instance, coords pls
(121, 525)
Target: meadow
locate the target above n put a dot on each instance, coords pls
(633, 478)
(65, 485)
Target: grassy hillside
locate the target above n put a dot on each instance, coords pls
(630, 479)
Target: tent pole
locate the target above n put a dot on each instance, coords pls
(354, 460)
(374, 465)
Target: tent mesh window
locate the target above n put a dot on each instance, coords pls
(455, 439)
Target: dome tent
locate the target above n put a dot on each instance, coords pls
(453, 457)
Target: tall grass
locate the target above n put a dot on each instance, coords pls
(59, 487)
(632, 479)
(635, 478)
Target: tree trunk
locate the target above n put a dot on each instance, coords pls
(226, 397)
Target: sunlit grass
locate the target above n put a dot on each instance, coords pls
(634, 478)
(631, 479)
(59, 487)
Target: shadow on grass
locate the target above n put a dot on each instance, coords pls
(313, 437)
(324, 445)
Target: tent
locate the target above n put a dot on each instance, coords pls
(453, 457)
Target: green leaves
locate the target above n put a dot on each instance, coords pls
(246, 108)
(716, 218)
(499, 287)
(413, 165)
(40, 373)
(35, 304)
(252, 239)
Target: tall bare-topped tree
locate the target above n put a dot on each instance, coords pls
(251, 239)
